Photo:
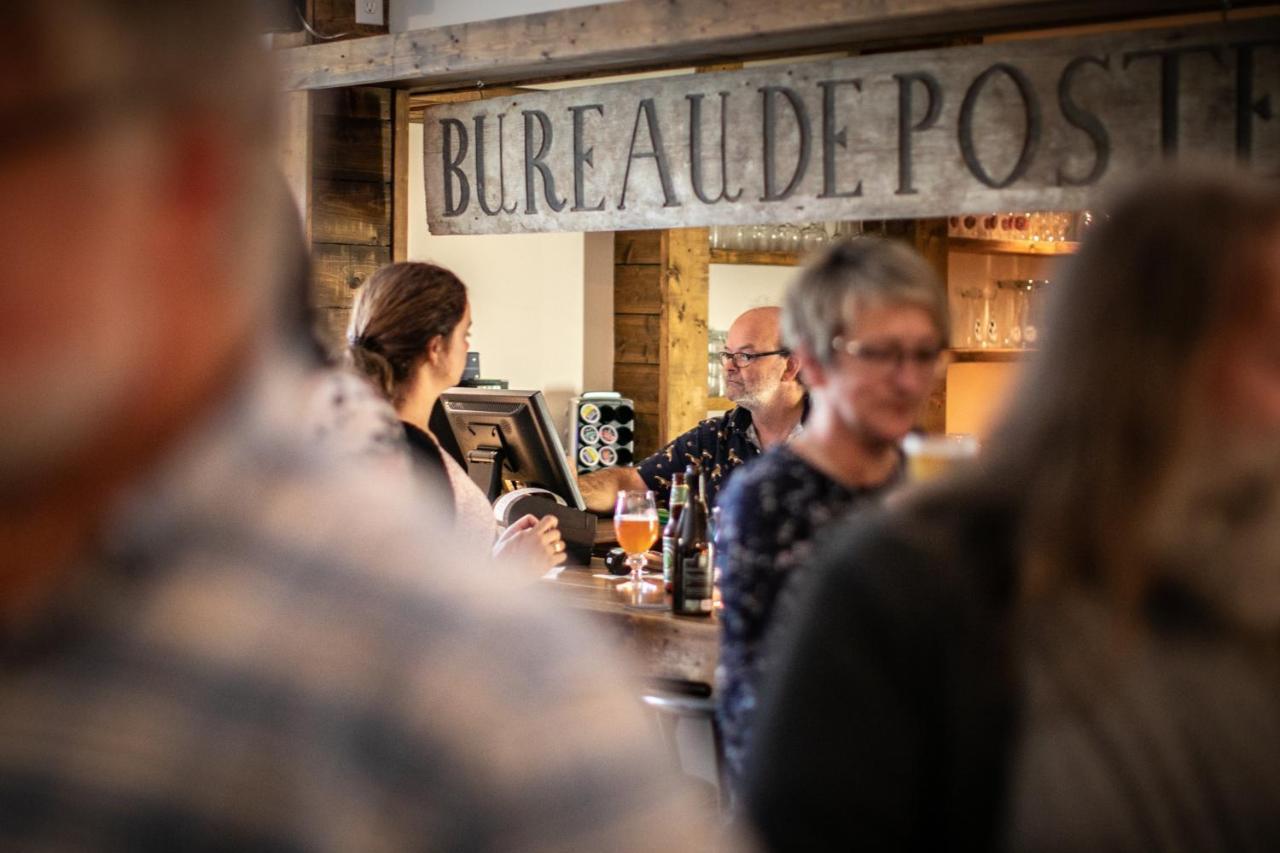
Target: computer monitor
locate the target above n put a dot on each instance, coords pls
(509, 440)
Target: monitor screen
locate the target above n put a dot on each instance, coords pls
(508, 441)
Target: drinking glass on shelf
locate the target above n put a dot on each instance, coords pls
(1036, 227)
(635, 521)
(1034, 311)
(812, 236)
(1012, 302)
(969, 323)
(986, 325)
(788, 238)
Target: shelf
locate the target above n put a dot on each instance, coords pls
(1010, 247)
(993, 354)
(741, 256)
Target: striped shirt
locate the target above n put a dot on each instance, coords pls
(269, 650)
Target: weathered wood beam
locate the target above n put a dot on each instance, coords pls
(643, 33)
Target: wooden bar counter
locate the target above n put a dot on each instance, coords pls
(679, 648)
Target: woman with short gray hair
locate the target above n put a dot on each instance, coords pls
(867, 324)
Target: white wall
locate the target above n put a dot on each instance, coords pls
(420, 14)
(541, 304)
(733, 289)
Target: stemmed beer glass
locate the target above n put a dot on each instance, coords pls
(635, 521)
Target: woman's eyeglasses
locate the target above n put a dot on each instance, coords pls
(887, 357)
(742, 359)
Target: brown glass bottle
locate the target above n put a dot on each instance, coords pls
(691, 578)
(675, 506)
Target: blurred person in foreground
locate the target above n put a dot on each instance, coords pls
(1073, 646)
(409, 335)
(867, 324)
(213, 636)
(761, 379)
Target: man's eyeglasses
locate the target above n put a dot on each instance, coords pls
(890, 356)
(742, 359)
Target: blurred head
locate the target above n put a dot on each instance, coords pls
(765, 381)
(867, 322)
(409, 318)
(133, 138)
(1162, 352)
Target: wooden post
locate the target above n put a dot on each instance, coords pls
(682, 387)
(400, 176)
(931, 242)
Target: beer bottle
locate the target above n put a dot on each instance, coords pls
(691, 580)
(679, 496)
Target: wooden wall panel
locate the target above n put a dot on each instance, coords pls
(637, 289)
(338, 270)
(351, 212)
(354, 102)
(353, 149)
(637, 339)
(637, 247)
(640, 383)
(354, 221)
(331, 326)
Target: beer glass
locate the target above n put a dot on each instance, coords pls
(635, 520)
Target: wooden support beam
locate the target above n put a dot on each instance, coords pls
(682, 384)
(400, 176)
(639, 34)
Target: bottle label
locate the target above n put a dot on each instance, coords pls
(697, 583)
(668, 558)
(679, 495)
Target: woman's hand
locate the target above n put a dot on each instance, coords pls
(533, 541)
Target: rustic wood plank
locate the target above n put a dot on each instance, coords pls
(639, 382)
(355, 102)
(356, 212)
(400, 183)
(646, 438)
(664, 645)
(353, 149)
(339, 269)
(682, 392)
(637, 339)
(295, 152)
(637, 247)
(644, 33)
(331, 327)
(637, 289)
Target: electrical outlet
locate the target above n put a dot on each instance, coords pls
(369, 12)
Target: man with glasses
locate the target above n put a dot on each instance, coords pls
(761, 379)
(215, 634)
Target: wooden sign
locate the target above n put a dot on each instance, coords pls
(1020, 125)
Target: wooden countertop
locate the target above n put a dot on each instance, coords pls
(680, 648)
